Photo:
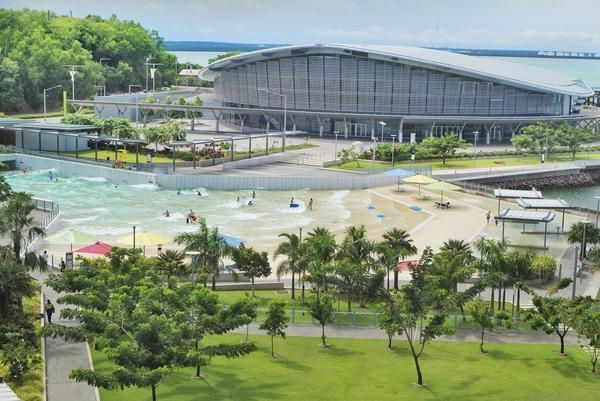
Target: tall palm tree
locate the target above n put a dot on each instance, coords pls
(17, 221)
(355, 245)
(318, 257)
(292, 247)
(401, 244)
(171, 263)
(575, 235)
(493, 263)
(211, 246)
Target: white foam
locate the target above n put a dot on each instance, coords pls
(92, 179)
(245, 216)
(172, 217)
(147, 187)
(101, 210)
(80, 220)
(107, 230)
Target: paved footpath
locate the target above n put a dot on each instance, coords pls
(62, 357)
(374, 333)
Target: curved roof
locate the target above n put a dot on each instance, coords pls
(512, 74)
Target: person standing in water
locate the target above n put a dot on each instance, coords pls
(291, 201)
(310, 204)
(253, 195)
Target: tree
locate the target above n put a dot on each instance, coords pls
(519, 262)
(389, 319)
(253, 263)
(5, 189)
(484, 318)
(443, 146)
(17, 221)
(210, 244)
(573, 137)
(292, 247)
(416, 305)
(171, 263)
(15, 283)
(275, 322)
(222, 56)
(401, 245)
(493, 263)
(542, 135)
(543, 266)
(321, 309)
(588, 330)
(575, 235)
(554, 314)
(318, 259)
(525, 143)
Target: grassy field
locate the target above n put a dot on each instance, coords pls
(472, 163)
(365, 370)
(31, 385)
(129, 157)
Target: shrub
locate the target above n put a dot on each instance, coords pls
(543, 267)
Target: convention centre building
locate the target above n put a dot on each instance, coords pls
(405, 92)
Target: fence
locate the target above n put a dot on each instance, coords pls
(53, 210)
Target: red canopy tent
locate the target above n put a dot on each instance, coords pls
(99, 248)
(403, 265)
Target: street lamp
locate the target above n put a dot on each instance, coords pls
(72, 72)
(134, 236)
(585, 223)
(336, 133)
(374, 141)
(284, 96)
(475, 136)
(393, 148)
(136, 103)
(46, 90)
(193, 255)
(383, 124)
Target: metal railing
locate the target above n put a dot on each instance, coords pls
(53, 210)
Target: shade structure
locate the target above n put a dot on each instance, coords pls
(99, 248)
(71, 237)
(420, 180)
(442, 186)
(400, 173)
(145, 238)
(231, 241)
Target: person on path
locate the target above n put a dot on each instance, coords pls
(63, 266)
(45, 256)
(488, 215)
(49, 308)
(310, 203)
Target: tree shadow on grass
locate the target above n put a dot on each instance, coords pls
(333, 350)
(289, 363)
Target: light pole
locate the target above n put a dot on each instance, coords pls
(193, 255)
(134, 236)
(383, 124)
(46, 90)
(336, 133)
(475, 136)
(585, 223)
(136, 103)
(574, 275)
(374, 141)
(72, 72)
(284, 96)
(393, 148)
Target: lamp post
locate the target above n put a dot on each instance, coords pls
(374, 141)
(336, 133)
(585, 223)
(136, 103)
(72, 72)
(46, 90)
(284, 96)
(383, 124)
(134, 236)
(475, 136)
(193, 255)
(393, 148)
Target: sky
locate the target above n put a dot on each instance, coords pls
(495, 24)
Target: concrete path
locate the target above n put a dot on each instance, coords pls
(62, 358)
(374, 333)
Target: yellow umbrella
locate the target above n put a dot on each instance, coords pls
(420, 179)
(442, 186)
(145, 238)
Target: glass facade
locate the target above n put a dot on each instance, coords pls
(352, 84)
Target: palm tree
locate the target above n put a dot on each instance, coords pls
(293, 249)
(356, 246)
(15, 283)
(387, 259)
(401, 244)
(575, 235)
(493, 262)
(17, 221)
(318, 257)
(171, 263)
(210, 245)
(5, 189)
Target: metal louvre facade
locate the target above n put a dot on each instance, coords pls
(354, 84)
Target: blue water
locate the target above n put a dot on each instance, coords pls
(94, 206)
(580, 197)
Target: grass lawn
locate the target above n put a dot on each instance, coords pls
(129, 157)
(31, 385)
(472, 163)
(365, 370)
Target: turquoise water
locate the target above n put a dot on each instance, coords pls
(97, 207)
(581, 197)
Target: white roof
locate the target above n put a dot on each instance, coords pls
(517, 194)
(189, 72)
(544, 204)
(6, 393)
(527, 216)
(513, 74)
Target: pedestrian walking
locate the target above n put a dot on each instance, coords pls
(488, 216)
(45, 256)
(63, 265)
(49, 310)
(310, 204)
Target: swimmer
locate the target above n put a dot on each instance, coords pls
(199, 193)
(116, 187)
(250, 202)
(238, 199)
(179, 192)
(253, 195)
(310, 203)
(166, 213)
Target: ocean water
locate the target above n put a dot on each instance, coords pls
(580, 197)
(587, 70)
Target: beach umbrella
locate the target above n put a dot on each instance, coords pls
(442, 186)
(400, 173)
(99, 248)
(145, 238)
(231, 241)
(70, 237)
(420, 179)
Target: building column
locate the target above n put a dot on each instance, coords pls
(192, 123)
(400, 127)
(321, 131)
(345, 129)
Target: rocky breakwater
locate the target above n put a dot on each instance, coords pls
(583, 179)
